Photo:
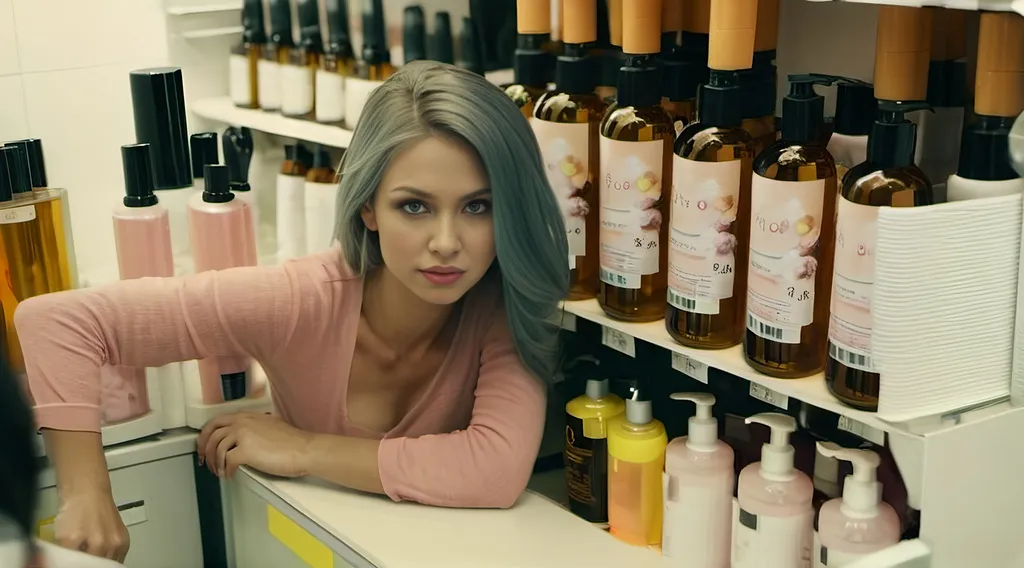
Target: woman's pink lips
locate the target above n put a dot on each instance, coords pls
(442, 277)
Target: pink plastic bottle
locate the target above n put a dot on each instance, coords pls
(220, 230)
(860, 523)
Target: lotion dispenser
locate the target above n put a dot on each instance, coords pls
(774, 528)
(588, 419)
(636, 462)
(860, 523)
(698, 486)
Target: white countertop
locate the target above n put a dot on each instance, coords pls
(535, 533)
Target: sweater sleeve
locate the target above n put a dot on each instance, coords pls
(67, 337)
(488, 464)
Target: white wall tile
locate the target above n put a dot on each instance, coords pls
(13, 124)
(88, 33)
(8, 40)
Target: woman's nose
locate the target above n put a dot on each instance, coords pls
(445, 240)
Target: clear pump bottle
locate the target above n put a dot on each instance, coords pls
(276, 54)
(243, 73)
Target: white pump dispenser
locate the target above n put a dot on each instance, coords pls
(698, 486)
(775, 523)
(860, 523)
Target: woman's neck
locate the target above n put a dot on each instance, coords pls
(396, 315)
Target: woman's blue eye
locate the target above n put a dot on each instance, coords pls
(413, 207)
(478, 207)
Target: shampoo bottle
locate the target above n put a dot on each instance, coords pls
(243, 68)
(588, 419)
(566, 124)
(220, 227)
(276, 54)
(636, 461)
(204, 152)
(320, 196)
(414, 34)
(532, 63)
(855, 111)
(444, 47)
(789, 279)
(860, 523)
(680, 75)
(337, 64)
(888, 178)
(985, 169)
(291, 203)
(711, 202)
(636, 152)
(698, 488)
(375, 65)
(775, 515)
(826, 486)
(298, 76)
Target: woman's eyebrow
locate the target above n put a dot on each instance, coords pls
(485, 192)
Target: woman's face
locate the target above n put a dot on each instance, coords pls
(432, 213)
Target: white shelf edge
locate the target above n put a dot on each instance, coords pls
(203, 8)
(221, 109)
(212, 32)
(971, 5)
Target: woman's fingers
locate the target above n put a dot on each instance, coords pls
(233, 459)
(226, 445)
(214, 442)
(212, 426)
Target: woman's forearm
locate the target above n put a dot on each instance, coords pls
(78, 461)
(349, 462)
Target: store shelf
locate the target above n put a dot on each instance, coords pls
(212, 32)
(221, 109)
(970, 5)
(213, 7)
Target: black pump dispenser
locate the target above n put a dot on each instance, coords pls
(33, 148)
(238, 146)
(218, 184)
(893, 137)
(339, 43)
(985, 150)
(803, 110)
(15, 178)
(281, 23)
(639, 81)
(253, 30)
(204, 151)
(310, 38)
(138, 176)
(469, 48)
(444, 49)
(855, 107)
(721, 100)
(414, 33)
(375, 43)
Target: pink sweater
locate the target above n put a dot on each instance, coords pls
(470, 441)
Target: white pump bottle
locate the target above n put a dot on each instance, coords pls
(775, 523)
(859, 523)
(698, 486)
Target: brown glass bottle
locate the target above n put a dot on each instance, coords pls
(246, 55)
(525, 97)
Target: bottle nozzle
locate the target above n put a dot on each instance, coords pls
(777, 455)
(703, 400)
(865, 462)
(597, 388)
(861, 492)
(702, 433)
(782, 425)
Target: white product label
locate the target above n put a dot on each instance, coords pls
(568, 322)
(17, 215)
(291, 217)
(697, 525)
(269, 80)
(356, 92)
(239, 80)
(702, 257)
(849, 329)
(565, 152)
(765, 394)
(297, 90)
(330, 96)
(773, 542)
(619, 341)
(630, 211)
(690, 367)
(320, 201)
(857, 428)
(785, 223)
(825, 557)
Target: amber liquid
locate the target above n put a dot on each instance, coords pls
(525, 98)
(786, 360)
(582, 109)
(33, 257)
(905, 186)
(644, 124)
(724, 329)
(375, 71)
(253, 53)
(762, 130)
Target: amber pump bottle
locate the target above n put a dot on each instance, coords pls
(376, 63)
(566, 123)
(792, 228)
(760, 82)
(532, 63)
(607, 57)
(680, 76)
(245, 57)
(444, 46)
(276, 54)
(711, 202)
(636, 152)
(298, 77)
(337, 64)
(888, 178)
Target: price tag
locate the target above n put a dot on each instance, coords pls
(619, 341)
(690, 367)
(857, 428)
(765, 394)
(568, 322)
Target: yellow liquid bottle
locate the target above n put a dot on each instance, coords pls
(636, 463)
(588, 418)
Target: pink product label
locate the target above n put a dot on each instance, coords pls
(631, 191)
(565, 152)
(705, 198)
(849, 330)
(785, 224)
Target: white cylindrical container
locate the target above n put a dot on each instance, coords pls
(321, 196)
(291, 205)
(330, 97)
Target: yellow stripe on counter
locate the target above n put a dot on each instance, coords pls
(298, 540)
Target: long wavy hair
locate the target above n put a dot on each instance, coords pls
(433, 99)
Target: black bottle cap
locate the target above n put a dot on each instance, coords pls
(281, 23)
(985, 149)
(531, 63)
(15, 178)
(680, 78)
(444, 50)
(218, 184)
(939, 78)
(375, 39)
(233, 386)
(321, 157)
(338, 39)
(310, 38)
(158, 103)
(204, 151)
(237, 144)
(893, 138)
(721, 100)
(855, 107)
(414, 33)
(33, 148)
(803, 109)
(575, 70)
(253, 28)
(469, 48)
(138, 175)
(299, 154)
(639, 82)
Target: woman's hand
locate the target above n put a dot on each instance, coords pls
(90, 522)
(262, 441)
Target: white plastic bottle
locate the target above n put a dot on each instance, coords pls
(697, 486)
(859, 523)
(774, 526)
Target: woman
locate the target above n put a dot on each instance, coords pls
(410, 363)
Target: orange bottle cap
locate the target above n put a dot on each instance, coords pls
(902, 52)
(533, 16)
(999, 83)
(732, 29)
(579, 19)
(641, 26)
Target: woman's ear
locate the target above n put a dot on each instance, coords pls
(369, 217)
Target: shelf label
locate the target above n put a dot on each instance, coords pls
(690, 367)
(857, 428)
(619, 341)
(568, 322)
(765, 394)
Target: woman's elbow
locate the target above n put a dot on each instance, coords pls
(499, 487)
